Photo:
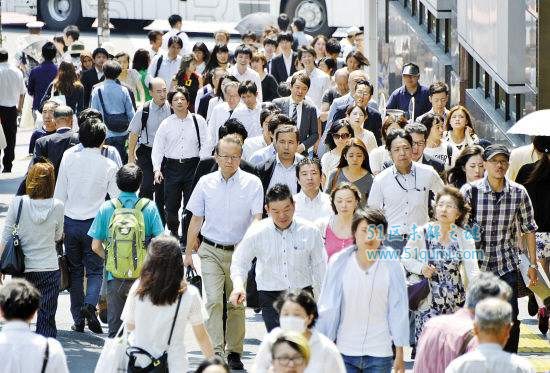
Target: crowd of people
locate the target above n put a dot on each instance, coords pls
(355, 230)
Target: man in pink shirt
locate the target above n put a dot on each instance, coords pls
(446, 337)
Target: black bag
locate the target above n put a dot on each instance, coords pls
(193, 278)
(65, 282)
(12, 261)
(114, 122)
(157, 365)
(475, 228)
(252, 296)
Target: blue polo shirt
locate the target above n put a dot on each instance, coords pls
(400, 99)
(100, 226)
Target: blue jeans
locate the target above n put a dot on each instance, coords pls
(78, 247)
(370, 364)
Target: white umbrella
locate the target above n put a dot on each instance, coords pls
(536, 123)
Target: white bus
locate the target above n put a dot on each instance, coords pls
(321, 16)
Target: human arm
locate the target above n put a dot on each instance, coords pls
(398, 305)
(376, 196)
(132, 142)
(203, 339)
(193, 239)
(469, 254)
(240, 265)
(206, 146)
(60, 191)
(399, 362)
(158, 150)
(97, 247)
(528, 226)
(128, 106)
(112, 188)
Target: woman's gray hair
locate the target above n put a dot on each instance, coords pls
(486, 285)
(492, 315)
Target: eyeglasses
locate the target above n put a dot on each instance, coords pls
(285, 360)
(494, 161)
(231, 158)
(342, 136)
(419, 143)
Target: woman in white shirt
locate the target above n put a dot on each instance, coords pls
(357, 116)
(336, 140)
(381, 155)
(437, 251)
(298, 313)
(130, 77)
(150, 308)
(435, 145)
(459, 130)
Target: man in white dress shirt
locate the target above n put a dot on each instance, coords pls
(179, 142)
(242, 70)
(22, 350)
(249, 112)
(290, 255)
(224, 110)
(224, 203)
(175, 22)
(492, 324)
(402, 190)
(166, 65)
(311, 203)
(320, 82)
(84, 180)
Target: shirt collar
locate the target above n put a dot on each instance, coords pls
(306, 198)
(412, 172)
(235, 176)
(278, 161)
(16, 325)
(63, 129)
(157, 107)
(291, 228)
(489, 347)
(486, 187)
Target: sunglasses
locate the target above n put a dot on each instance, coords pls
(342, 136)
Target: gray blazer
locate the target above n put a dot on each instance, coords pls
(308, 125)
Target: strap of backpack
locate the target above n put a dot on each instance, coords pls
(101, 102)
(141, 203)
(46, 357)
(449, 153)
(197, 129)
(175, 317)
(144, 118)
(116, 203)
(473, 201)
(159, 63)
(469, 336)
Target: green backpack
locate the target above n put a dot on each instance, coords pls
(126, 248)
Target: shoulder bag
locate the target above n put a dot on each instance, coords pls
(156, 365)
(12, 261)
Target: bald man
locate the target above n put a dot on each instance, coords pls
(341, 89)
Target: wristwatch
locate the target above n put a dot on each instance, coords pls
(534, 266)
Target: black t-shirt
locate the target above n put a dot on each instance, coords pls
(538, 192)
(330, 96)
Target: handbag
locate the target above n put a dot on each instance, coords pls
(252, 295)
(541, 289)
(193, 278)
(156, 365)
(65, 282)
(113, 357)
(12, 261)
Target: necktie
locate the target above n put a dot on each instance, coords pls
(294, 116)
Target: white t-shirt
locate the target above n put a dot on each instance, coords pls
(152, 324)
(364, 328)
(442, 153)
(377, 158)
(329, 162)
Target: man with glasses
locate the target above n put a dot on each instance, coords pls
(502, 207)
(224, 203)
(402, 190)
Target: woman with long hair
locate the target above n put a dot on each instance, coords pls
(188, 78)
(152, 303)
(319, 43)
(436, 146)
(40, 227)
(66, 84)
(140, 63)
(353, 168)
(536, 178)
(468, 167)
(355, 60)
(130, 76)
(337, 137)
(86, 61)
(218, 58)
(436, 251)
(459, 129)
(328, 65)
(202, 54)
(357, 116)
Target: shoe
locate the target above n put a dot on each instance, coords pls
(413, 352)
(89, 313)
(543, 320)
(234, 361)
(6, 171)
(532, 306)
(102, 309)
(78, 328)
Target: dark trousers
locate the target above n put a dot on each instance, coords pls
(148, 186)
(511, 278)
(119, 142)
(78, 247)
(178, 184)
(8, 118)
(48, 284)
(269, 313)
(117, 292)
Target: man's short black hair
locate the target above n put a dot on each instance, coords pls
(278, 120)
(72, 31)
(175, 40)
(230, 126)
(248, 86)
(100, 50)
(397, 133)
(49, 51)
(92, 133)
(268, 108)
(429, 120)
(283, 21)
(19, 300)
(299, 23)
(89, 113)
(371, 216)
(365, 82)
(129, 177)
(279, 192)
(302, 78)
(250, 35)
(153, 35)
(417, 128)
(174, 19)
(243, 49)
(285, 36)
(178, 89)
(112, 69)
(283, 89)
(438, 87)
(3, 55)
(307, 161)
(271, 41)
(333, 46)
(306, 49)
